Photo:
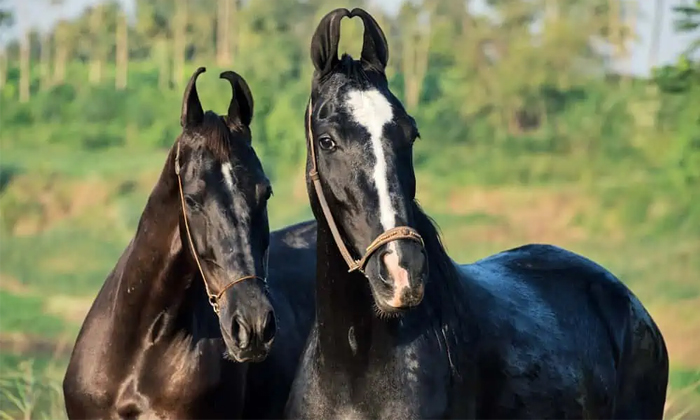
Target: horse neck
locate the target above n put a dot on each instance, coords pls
(344, 300)
(344, 303)
(156, 269)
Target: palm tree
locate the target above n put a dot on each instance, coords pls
(24, 53)
(415, 50)
(122, 53)
(223, 38)
(6, 19)
(656, 33)
(95, 29)
(62, 41)
(179, 31)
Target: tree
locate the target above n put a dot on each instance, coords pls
(688, 21)
(62, 46)
(154, 34)
(122, 51)
(24, 55)
(656, 32)
(179, 31)
(96, 51)
(6, 20)
(415, 46)
(223, 38)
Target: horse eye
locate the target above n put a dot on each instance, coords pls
(191, 202)
(326, 143)
(268, 193)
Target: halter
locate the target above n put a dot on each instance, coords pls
(390, 235)
(213, 298)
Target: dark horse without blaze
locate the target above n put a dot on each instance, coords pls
(532, 332)
(186, 303)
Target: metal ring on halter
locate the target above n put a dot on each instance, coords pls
(213, 298)
(393, 234)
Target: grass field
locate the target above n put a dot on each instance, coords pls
(68, 216)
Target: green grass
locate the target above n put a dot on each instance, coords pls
(64, 260)
(80, 163)
(25, 315)
(30, 388)
(684, 394)
(686, 379)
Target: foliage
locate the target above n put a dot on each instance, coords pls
(32, 391)
(562, 120)
(689, 21)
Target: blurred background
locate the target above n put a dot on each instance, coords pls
(572, 122)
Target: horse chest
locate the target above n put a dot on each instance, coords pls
(407, 384)
(186, 381)
(180, 372)
(173, 380)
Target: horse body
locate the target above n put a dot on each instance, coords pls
(532, 332)
(405, 332)
(185, 308)
(561, 337)
(147, 349)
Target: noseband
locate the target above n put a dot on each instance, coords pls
(393, 234)
(213, 298)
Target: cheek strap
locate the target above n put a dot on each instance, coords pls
(393, 234)
(214, 299)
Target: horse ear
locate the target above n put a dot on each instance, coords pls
(324, 44)
(375, 49)
(192, 113)
(240, 110)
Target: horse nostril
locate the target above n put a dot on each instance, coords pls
(383, 270)
(269, 328)
(239, 332)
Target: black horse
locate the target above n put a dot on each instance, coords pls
(405, 332)
(186, 302)
(291, 282)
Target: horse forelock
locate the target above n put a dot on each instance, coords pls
(214, 135)
(349, 71)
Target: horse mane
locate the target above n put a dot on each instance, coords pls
(442, 269)
(443, 287)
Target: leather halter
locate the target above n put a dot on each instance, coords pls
(213, 298)
(393, 234)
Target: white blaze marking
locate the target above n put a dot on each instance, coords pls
(227, 172)
(371, 110)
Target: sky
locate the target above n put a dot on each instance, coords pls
(39, 15)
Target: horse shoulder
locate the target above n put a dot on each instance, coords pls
(86, 376)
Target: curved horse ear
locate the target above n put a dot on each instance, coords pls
(192, 113)
(240, 110)
(375, 49)
(324, 43)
